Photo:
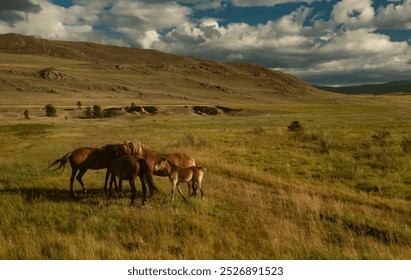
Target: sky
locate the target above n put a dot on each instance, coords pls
(331, 42)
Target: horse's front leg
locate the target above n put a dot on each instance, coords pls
(179, 190)
(133, 191)
(120, 187)
(144, 188)
(112, 179)
(106, 181)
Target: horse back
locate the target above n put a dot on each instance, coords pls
(88, 157)
(181, 160)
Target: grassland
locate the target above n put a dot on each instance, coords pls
(338, 189)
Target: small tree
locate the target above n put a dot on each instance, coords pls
(97, 113)
(79, 104)
(26, 114)
(89, 113)
(50, 110)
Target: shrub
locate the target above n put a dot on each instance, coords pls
(406, 144)
(97, 113)
(50, 110)
(89, 113)
(381, 137)
(297, 130)
(26, 114)
(295, 126)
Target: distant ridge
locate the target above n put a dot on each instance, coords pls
(21, 44)
(398, 87)
(178, 73)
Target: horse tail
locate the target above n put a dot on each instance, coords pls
(147, 173)
(61, 162)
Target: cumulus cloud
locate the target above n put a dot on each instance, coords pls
(395, 16)
(353, 14)
(14, 11)
(253, 3)
(347, 44)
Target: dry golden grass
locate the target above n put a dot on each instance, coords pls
(269, 193)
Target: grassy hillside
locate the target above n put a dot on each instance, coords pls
(100, 72)
(398, 87)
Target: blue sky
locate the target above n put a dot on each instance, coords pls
(332, 42)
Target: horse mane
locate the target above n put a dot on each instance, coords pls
(110, 146)
(136, 146)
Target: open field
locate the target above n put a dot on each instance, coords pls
(332, 191)
(339, 188)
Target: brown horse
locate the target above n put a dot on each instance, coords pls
(128, 168)
(177, 175)
(152, 158)
(84, 158)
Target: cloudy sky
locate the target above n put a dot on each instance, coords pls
(332, 42)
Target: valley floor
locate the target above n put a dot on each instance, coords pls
(338, 188)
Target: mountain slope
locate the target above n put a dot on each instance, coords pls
(152, 76)
(391, 87)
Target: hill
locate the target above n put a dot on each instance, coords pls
(101, 72)
(397, 87)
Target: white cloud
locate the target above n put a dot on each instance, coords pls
(395, 16)
(346, 43)
(253, 3)
(353, 14)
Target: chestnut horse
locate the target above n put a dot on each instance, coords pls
(84, 158)
(177, 175)
(128, 168)
(152, 158)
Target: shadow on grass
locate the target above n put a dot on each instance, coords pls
(36, 194)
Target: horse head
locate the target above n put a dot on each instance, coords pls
(161, 163)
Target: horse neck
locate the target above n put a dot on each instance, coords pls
(171, 168)
(111, 149)
(150, 156)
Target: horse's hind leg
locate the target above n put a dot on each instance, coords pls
(73, 174)
(79, 176)
(199, 184)
(191, 189)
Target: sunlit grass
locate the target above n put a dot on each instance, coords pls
(335, 191)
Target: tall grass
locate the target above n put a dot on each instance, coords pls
(331, 192)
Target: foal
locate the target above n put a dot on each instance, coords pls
(177, 175)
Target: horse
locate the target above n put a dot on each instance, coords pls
(128, 167)
(84, 158)
(176, 174)
(152, 158)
